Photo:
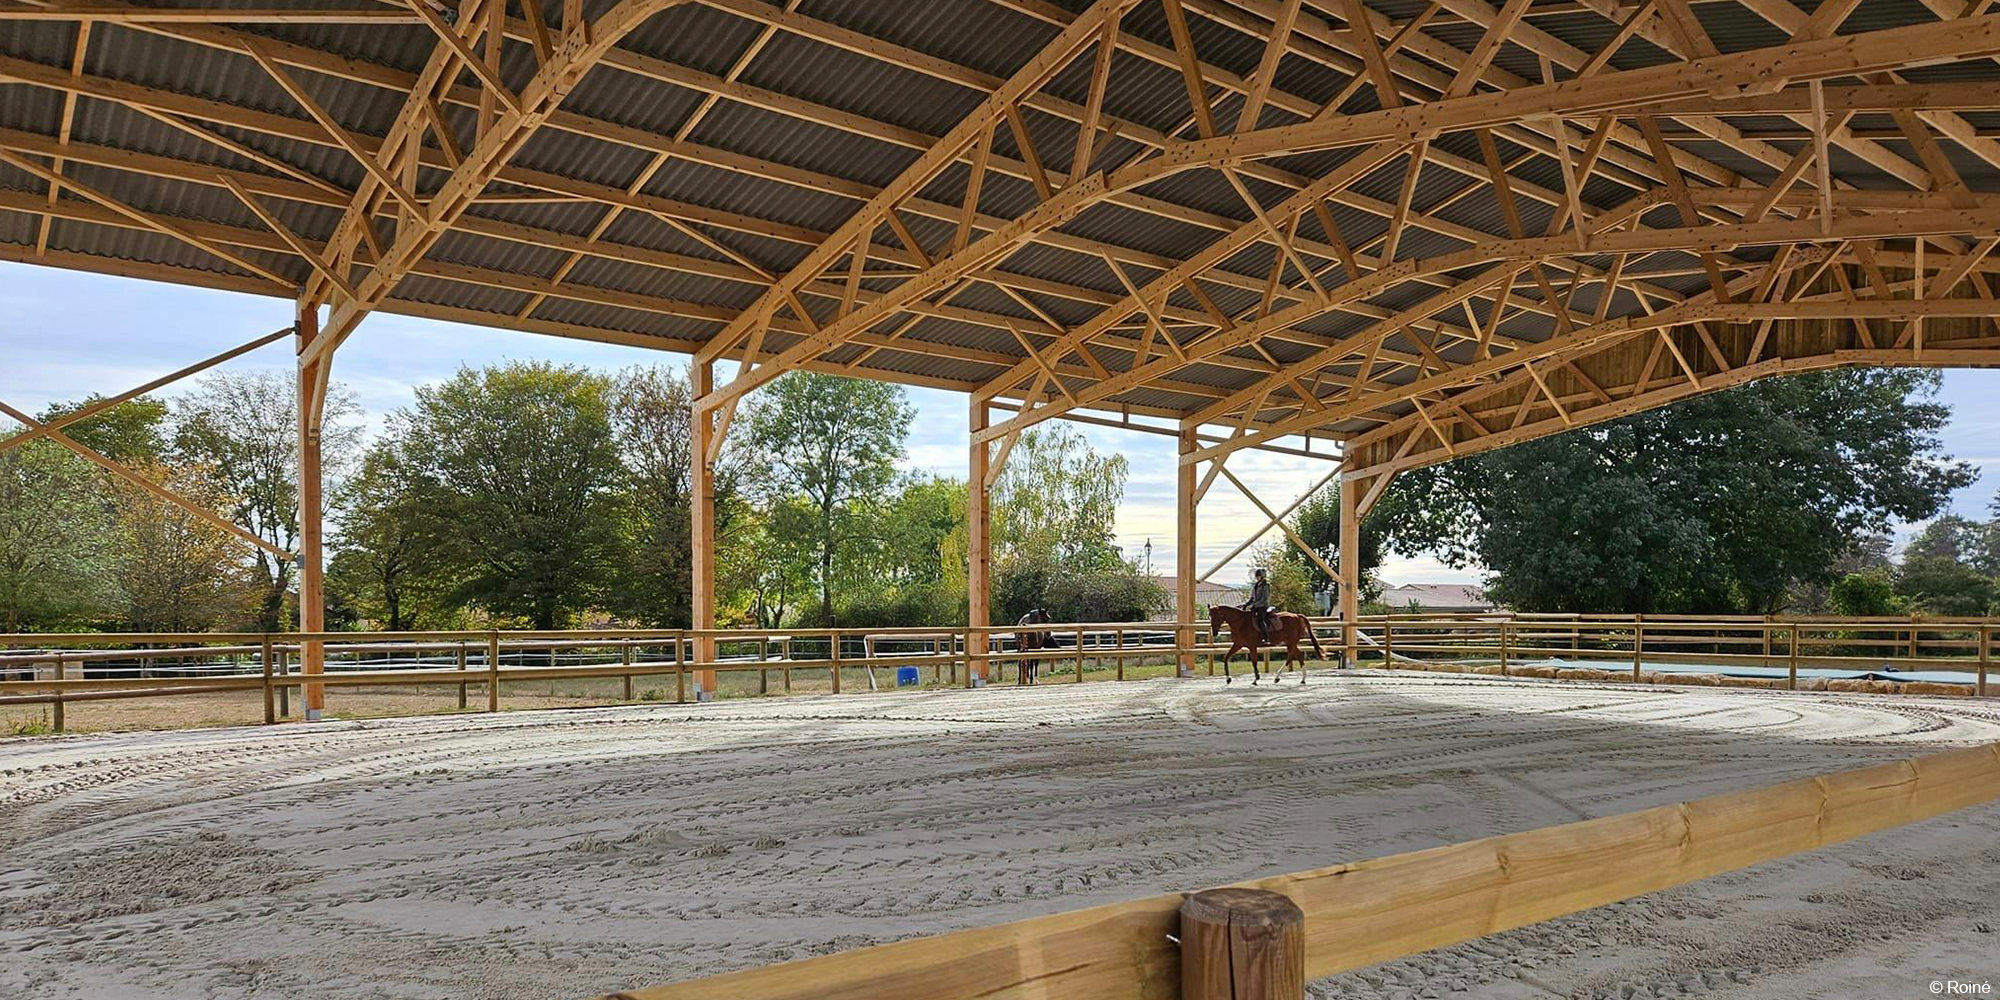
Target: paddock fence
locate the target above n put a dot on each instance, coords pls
(1367, 912)
(1878, 655)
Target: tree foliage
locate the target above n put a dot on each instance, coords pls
(1053, 513)
(53, 523)
(1721, 503)
(175, 571)
(513, 470)
(833, 442)
(243, 428)
(1317, 523)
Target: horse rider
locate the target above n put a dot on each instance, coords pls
(1259, 604)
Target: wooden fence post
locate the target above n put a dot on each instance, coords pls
(1242, 944)
(1388, 644)
(56, 711)
(1985, 657)
(833, 648)
(1079, 655)
(493, 671)
(461, 669)
(1638, 648)
(270, 693)
(1504, 630)
(625, 659)
(1118, 641)
(680, 672)
(1792, 679)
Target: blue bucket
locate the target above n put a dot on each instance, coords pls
(906, 677)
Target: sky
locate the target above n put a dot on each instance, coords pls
(117, 333)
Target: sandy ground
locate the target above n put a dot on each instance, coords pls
(565, 854)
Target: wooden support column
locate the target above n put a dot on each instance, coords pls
(1184, 551)
(978, 549)
(702, 511)
(312, 589)
(1350, 567)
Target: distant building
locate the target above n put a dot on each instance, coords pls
(1207, 593)
(1438, 597)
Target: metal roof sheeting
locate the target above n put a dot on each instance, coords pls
(852, 120)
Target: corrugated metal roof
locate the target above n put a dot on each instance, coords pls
(853, 121)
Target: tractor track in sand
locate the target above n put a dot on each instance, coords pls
(565, 854)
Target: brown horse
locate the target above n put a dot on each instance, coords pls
(1286, 630)
(1027, 671)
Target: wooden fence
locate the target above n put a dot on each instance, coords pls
(1632, 647)
(1367, 912)
(57, 669)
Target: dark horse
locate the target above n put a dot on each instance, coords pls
(1286, 630)
(1026, 670)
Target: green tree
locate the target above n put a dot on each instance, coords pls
(1291, 588)
(1721, 503)
(1866, 595)
(516, 472)
(1058, 497)
(1054, 511)
(1317, 522)
(174, 571)
(765, 562)
(378, 568)
(651, 418)
(1941, 586)
(1949, 537)
(133, 432)
(53, 532)
(243, 427)
(834, 442)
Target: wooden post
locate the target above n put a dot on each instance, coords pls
(833, 648)
(785, 650)
(1767, 640)
(1793, 675)
(625, 657)
(1079, 654)
(763, 657)
(1185, 539)
(1506, 629)
(1118, 640)
(1242, 944)
(270, 692)
(312, 590)
(493, 671)
(978, 547)
(56, 703)
(680, 671)
(1388, 643)
(1985, 657)
(1638, 647)
(461, 669)
(701, 511)
(1350, 570)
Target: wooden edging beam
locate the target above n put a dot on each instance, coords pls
(1367, 912)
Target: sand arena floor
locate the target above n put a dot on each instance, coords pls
(565, 854)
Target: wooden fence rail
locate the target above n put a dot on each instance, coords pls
(1367, 912)
(189, 664)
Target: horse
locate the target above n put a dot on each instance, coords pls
(1286, 630)
(1026, 670)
